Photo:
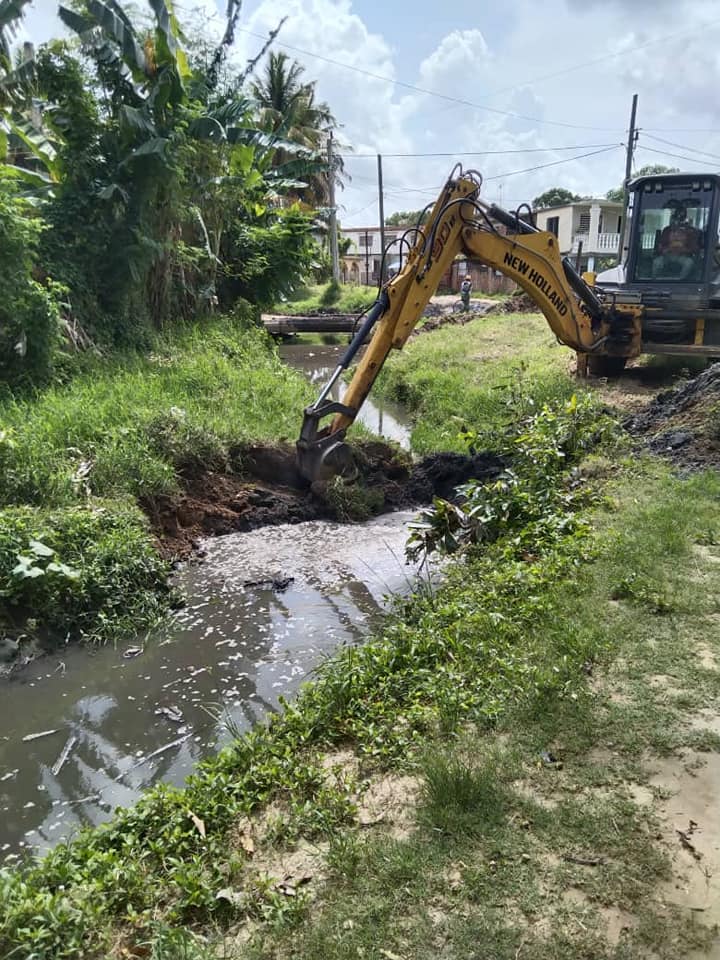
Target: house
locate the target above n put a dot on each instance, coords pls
(361, 262)
(596, 224)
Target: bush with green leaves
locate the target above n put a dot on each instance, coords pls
(90, 571)
(532, 496)
(29, 313)
(490, 637)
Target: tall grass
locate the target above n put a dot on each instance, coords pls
(127, 424)
(477, 377)
(348, 299)
(76, 457)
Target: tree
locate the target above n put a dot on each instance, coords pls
(289, 110)
(407, 218)
(617, 193)
(555, 197)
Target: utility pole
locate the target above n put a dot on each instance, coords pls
(632, 140)
(381, 211)
(367, 259)
(333, 212)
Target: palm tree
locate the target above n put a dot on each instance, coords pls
(288, 109)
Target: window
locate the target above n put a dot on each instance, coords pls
(366, 240)
(671, 232)
(552, 225)
(584, 223)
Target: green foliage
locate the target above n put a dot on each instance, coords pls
(29, 313)
(531, 499)
(489, 374)
(130, 427)
(352, 501)
(617, 194)
(484, 641)
(289, 110)
(555, 197)
(131, 151)
(310, 299)
(331, 294)
(133, 424)
(461, 797)
(264, 263)
(407, 218)
(88, 570)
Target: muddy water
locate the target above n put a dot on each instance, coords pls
(124, 719)
(87, 730)
(317, 362)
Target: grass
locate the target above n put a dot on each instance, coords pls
(78, 456)
(476, 377)
(516, 697)
(130, 424)
(526, 839)
(343, 299)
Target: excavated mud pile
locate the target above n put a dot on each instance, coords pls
(268, 490)
(684, 423)
(520, 303)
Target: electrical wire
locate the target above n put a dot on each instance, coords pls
(431, 93)
(555, 163)
(675, 156)
(680, 146)
(473, 153)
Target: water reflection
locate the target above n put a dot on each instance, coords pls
(383, 417)
(131, 722)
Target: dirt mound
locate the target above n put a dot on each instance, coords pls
(268, 490)
(519, 303)
(683, 423)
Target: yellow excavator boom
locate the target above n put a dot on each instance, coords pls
(460, 223)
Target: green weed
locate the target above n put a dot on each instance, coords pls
(480, 378)
(461, 796)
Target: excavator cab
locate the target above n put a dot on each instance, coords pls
(671, 263)
(673, 249)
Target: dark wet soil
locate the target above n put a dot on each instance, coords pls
(683, 424)
(268, 490)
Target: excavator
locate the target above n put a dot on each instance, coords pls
(663, 298)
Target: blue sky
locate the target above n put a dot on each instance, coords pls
(560, 73)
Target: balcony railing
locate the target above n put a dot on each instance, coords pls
(596, 242)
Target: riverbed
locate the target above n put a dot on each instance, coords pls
(89, 729)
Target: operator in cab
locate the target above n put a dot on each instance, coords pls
(679, 246)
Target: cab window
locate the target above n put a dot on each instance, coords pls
(671, 237)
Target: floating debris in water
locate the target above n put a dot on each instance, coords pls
(60, 762)
(37, 736)
(171, 713)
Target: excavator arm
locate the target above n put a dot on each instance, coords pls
(460, 223)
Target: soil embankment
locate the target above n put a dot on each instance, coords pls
(682, 423)
(267, 490)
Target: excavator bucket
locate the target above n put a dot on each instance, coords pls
(322, 455)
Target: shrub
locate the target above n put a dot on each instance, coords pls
(29, 314)
(88, 569)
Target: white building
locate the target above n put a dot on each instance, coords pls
(594, 223)
(361, 263)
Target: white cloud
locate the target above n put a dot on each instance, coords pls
(538, 68)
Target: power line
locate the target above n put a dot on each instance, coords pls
(555, 163)
(675, 156)
(475, 153)
(682, 146)
(426, 92)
